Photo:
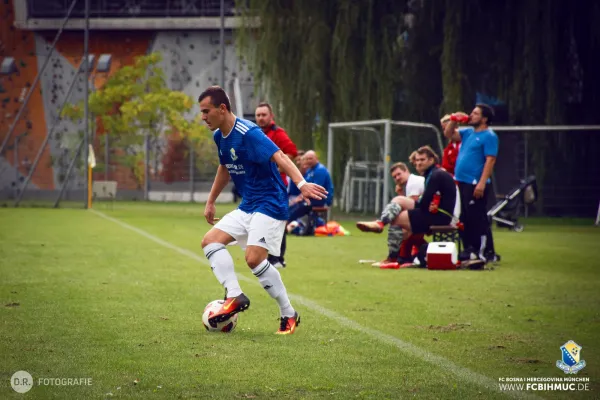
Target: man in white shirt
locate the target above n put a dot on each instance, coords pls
(409, 188)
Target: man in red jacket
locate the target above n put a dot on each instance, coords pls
(264, 119)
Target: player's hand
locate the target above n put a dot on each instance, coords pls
(209, 213)
(460, 117)
(313, 191)
(479, 189)
(433, 207)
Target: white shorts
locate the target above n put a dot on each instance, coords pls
(254, 229)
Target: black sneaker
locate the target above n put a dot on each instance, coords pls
(231, 306)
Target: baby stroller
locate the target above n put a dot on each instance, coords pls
(506, 212)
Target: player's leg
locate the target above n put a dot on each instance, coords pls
(229, 228)
(466, 215)
(389, 214)
(264, 236)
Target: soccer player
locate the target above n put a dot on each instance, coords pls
(450, 153)
(250, 158)
(474, 167)
(265, 119)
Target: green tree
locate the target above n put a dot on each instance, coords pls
(137, 109)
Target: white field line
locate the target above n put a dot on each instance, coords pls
(462, 373)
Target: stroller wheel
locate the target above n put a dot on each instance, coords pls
(518, 228)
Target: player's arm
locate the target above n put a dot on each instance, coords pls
(488, 167)
(308, 190)
(221, 180)
(451, 131)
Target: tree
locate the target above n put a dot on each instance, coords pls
(137, 111)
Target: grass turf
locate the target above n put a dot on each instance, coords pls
(84, 297)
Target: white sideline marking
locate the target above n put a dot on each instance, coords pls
(463, 373)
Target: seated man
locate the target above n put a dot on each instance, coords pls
(426, 211)
(409, 188)
(315, 173)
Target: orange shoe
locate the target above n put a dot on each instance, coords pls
(287, 325)
(370, 226)
(380, 263)
(389, 265)
(232, 305)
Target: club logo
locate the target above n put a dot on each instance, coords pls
(233, 155)
(571, 354)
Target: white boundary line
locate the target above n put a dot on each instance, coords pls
(463, 373)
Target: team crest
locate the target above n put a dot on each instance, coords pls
(233, 155)
(571, 362)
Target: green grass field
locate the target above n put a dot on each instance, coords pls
(118, 297)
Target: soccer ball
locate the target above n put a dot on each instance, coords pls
(225, 326)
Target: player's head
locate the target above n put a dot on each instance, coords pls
(264, 115)
(411, 158)
(482, 115)
(425, 158)
(400, 173)
(214, 106)
(310, 159)
(298, 158)
(444, 121)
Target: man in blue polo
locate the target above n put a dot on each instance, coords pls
(474, 167)
(318, 174)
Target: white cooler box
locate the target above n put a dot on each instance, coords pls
(442, 255)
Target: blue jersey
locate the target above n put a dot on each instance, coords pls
(319, 175)
(246, 153)
(475, 147)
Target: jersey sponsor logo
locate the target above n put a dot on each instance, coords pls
(234, 157)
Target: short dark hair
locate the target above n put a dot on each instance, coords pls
(486, 111)
(428, 151)
(265, 104)
(217, 97)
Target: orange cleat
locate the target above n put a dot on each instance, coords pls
(389, 265)
(232, 305)
(370, 226)
(287, 325)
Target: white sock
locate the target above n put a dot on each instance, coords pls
(270, 279)
(221, 264)
(482, 247)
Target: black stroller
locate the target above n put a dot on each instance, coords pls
(506, 212)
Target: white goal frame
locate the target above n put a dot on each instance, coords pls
(387, 144)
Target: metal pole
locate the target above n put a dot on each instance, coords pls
(387, 140)
(146, 165)
(525, 167)
(49, 135)
(192, 161)
(66, 181)
(106, 154)
(222, 38)
(329, 158)
(16, 163)
(37, 78)
(86, 94)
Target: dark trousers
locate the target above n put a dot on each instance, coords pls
(474, 217)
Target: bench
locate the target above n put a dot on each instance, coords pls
(315, 213)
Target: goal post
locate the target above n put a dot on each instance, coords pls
(379, 176)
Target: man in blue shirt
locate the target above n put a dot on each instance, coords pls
(250, 158)
(318, 174)
(474, 167)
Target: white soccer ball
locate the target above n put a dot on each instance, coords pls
(225, 326)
